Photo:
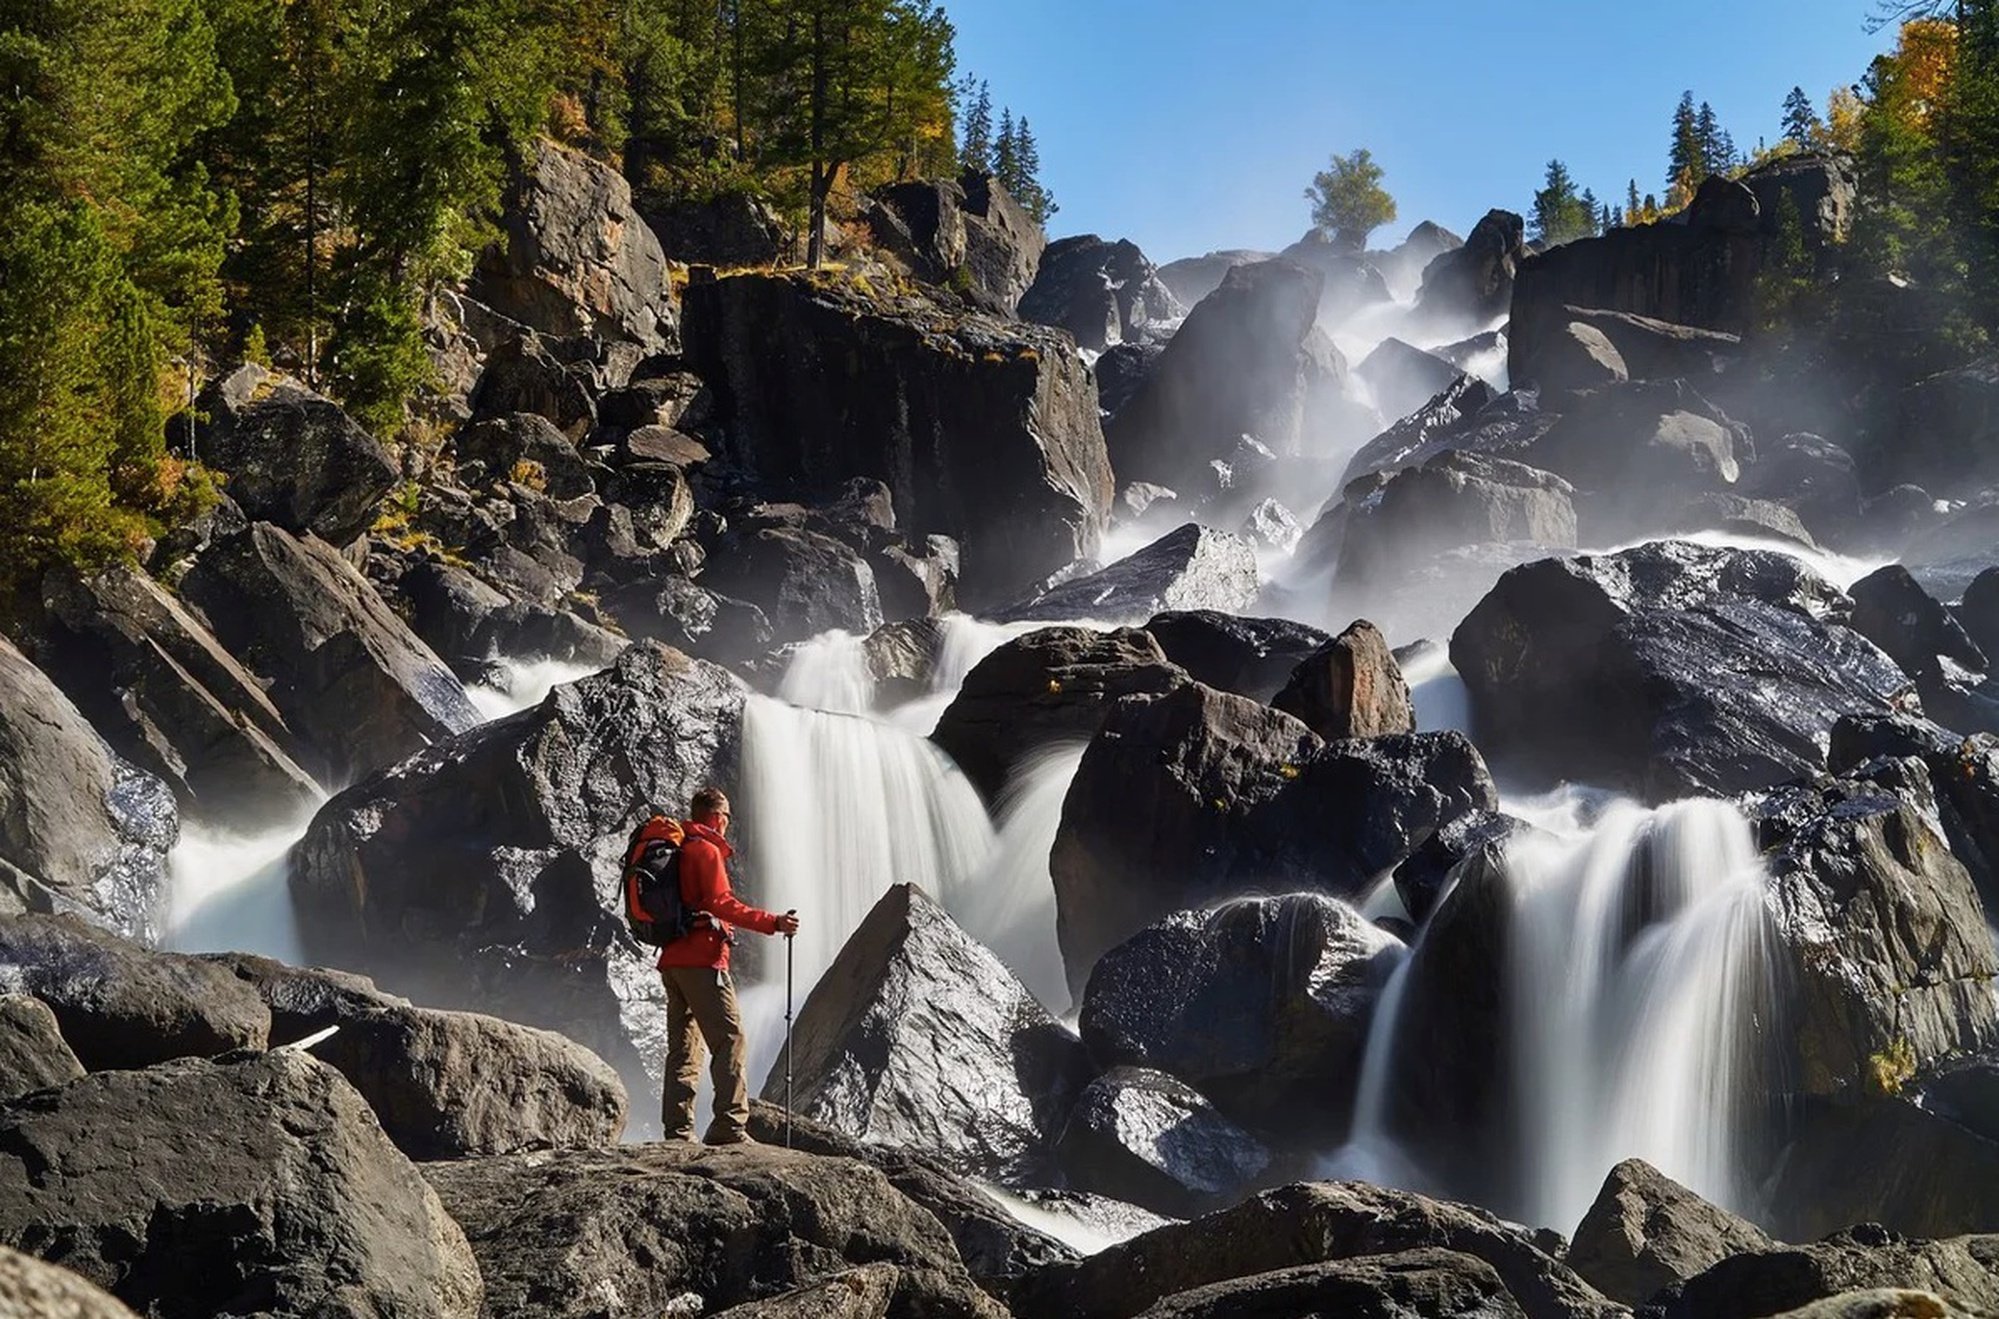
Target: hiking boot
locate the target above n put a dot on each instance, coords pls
(729, 1138)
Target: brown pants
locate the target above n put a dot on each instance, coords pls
(701, 1007)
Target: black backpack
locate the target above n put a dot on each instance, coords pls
(654, 909)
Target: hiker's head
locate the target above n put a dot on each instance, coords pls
(711, 807)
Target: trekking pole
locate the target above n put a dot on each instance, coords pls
(787, 1039)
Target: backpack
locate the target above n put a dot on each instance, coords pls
(654, 909)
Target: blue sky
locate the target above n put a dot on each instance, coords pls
(1188, 125)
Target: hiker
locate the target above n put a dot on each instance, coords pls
(700, 996)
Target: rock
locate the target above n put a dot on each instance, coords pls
(1814, 477)
(1414, 1282)
(660, 396)
(1627, 446)
(1388, 523)
(1146, 1137)
(918, 1035)
(1351, 283)
(293, 457)
(1893, 611)
(1052, 685)
(1293, 1226)
(1892, 964)
(1473, 284)
(32, 1053)
(1239, 365)
(1271, 527)
(1425, 432)
(1669, 669)
(1251, 657)
(1783, 1278)
(1879, 1303)
(1402, 266)
(804, 582)
(1191, 567)
(153, 678)
(1192, 278)
(1263, 1003)
(1821, 186)
(468, 875)
(1582, 347)
(861, 1293)
(1102, 293)
(1742, 517)
(731, 228)
(577, 258)
(1573, 357)
(663, 444)
(80, 829)
(1350, 687)
(261, 1185)
(1889, 1159)
(31, 1289)
(122, 1006)
(1963, 770)
(1978, 612)
(443, 1084)
(1942, 433)
(1423, 880)
(504, 447)
(969, 235)
(918, 581)
(523, 377)
(346, 673)
(1646, 1232)
(683, 616)
(1403, 378)
(727, 1225)
(985, 430)
(1200, 794)
(1121, 371)
(468, 623)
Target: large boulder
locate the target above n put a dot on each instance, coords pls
(1942, 433)
(1402, 377)
(1646, 1232)
(1154, 1140)
(1102, 293)
(121, 1005)
(1241, 364)
(255, 1186)
(1433, 428)
(918, 1035)
(532, 375)
(679, 1229)
(1052, 685)
(443, 1084)
(522, 445)
(80, 828)
(1251, 657)
(804, 582)
(577, 259)
(33, 1055)
(473, 874)
(31, 1289)
(1386, 523)
(1978, 611)
(969, 235)
(1963, 770)
(1200, 794)
(1192, 278)
(1965, 1270)
(1351, 284)
(1263, 1003)
(1350, 687)
(1191, 567)
(1892, 963)
(1627, 448)
(1292, 1226)
(732, 228)
(1402, 266)
(1670, 669)
(347, 674)
(470, 624)
(292, 457)
(1645, 347)
(1472, 285)
(1442, 1283)
(155, 681)
(985, 430)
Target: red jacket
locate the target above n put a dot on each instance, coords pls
(704, 886)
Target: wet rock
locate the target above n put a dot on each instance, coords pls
(467, 876)
(1271, 527)
(503, 448)
(1894, 612)
(1386, 523)
(1908, 1161)
(1143, 1136)
(292, 456)
(727, 1225)
(1192, 567)
(1814, 477)
(1251, 657)
(804, 582)
(918, 1035)
(1473, 284)
(918, 581)
(1121, 371)
(1893, 964)
(1423, 880)
(1761, 518)
(1200, 794)
(1423, 433)
(28, 1287)
(1102, 293)
(1294, 1226)
(1670, 668)
(1444, 1283)
(1351, 282)
(1263, 1003)
(443, 1084)
(80, 829)
(469, 623)
(254, 1186)
(1963, 770)
(577, 258)
(32, 1053)
(687, 617)
(1646, 1232)
(986, 430)
(346, 673)
(1965, 1270)
(122, 1006)
(1052, 685)
(1350, 687)
(1403, 378)
(155, 681)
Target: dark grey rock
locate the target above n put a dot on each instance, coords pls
(1101, 293)
(1251, 657)
(804, 583)
(1443, 1283)
(1785, 1278)
(1350, 687)
(1473, 284)
(1403, 378)
(33, 1055)
(1145, 1137)
(1191, 567)
(498, 447)
(1646, 1232)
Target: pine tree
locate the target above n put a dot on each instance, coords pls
(1006, 153)
(1561, 215)
(1033, 195)
(1801, 119)
(1684, 162)
(1710, 157)
(975, 156)
(1632, 206)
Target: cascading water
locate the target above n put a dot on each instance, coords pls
(1642, 996)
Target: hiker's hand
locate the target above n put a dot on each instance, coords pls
(787, 924)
